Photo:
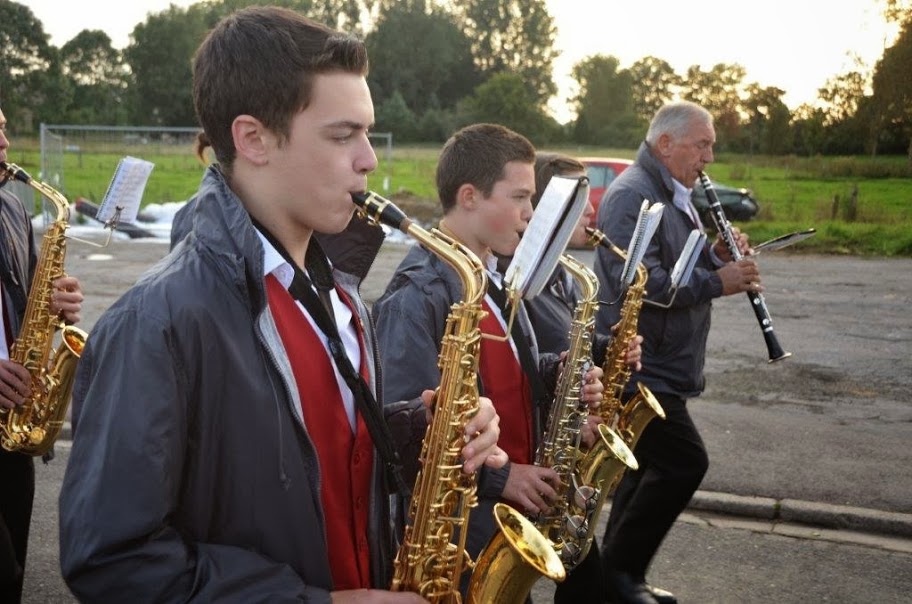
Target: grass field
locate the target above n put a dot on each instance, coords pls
(858, 205)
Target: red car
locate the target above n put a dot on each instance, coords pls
(601, 171)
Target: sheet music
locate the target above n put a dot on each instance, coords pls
(688, 258)
(647, 223)
(126, 190)
(545, 239)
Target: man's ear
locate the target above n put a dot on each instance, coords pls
(663, 145)
(468, 197)
(252, 140)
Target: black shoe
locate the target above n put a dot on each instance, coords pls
(625, 589)
(660, 595)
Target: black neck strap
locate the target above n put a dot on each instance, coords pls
(523, 348)
(319, 305)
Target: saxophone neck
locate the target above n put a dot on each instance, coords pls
(377, 209)
(583, 275)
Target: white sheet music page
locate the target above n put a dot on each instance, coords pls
(126, 190)
(545, 239)
(647, 223)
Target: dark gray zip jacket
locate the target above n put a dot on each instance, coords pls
(674, 340)
(192, 476)
(18, 258)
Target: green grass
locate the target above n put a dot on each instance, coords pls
(794, 193)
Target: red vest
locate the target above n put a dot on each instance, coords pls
(506, 385)
(345, 459)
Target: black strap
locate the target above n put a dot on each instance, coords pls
(523, 348)
(319, 306)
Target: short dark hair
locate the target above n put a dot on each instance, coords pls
(261, 61)
(552, 164)
(477, 155)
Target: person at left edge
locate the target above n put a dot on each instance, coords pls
(224, 452)
(18, 261)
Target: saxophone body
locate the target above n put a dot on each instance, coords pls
(567, 524)
(631, 418)
(32, 427)
(432, 557)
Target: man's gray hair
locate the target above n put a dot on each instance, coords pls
(675, 119)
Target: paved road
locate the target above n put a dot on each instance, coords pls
(822, 437)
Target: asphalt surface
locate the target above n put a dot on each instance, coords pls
(809, 490)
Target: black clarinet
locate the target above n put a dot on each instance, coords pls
(757, 303)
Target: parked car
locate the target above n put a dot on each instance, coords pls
(738, 204)
(601, 172)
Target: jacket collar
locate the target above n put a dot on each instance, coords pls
(651, 164)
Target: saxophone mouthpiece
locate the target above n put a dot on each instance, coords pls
(8, 171)
(378, 210)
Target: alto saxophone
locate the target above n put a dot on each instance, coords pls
(432, 556)
(629, 419)
(32, 427)
(569, 523)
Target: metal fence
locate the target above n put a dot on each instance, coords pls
(60, 140)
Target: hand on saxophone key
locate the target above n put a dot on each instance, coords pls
(589, 430)
(481, 434)
(635, 353)
(15, 384)
(531, 488)
(634, 349)
(592, 387)
(66, 300)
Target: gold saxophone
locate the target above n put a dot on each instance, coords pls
(432, 556)
(629, 419)
(569, 523)
(32, 427)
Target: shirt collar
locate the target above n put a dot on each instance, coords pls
(681, 198)
(490, 262)
(274, 263)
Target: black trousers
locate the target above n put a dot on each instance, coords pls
(585, 583)
(17, 473)
(672, 462)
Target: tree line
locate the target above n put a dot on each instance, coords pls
(438, 65)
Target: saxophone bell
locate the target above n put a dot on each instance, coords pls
(636, 414)
(515, 558)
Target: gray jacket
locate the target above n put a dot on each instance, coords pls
(551, 313)
(192, 475)
(18, 258)
(411, 317)
(674, 340)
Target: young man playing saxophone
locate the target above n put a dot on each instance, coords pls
(230, 448)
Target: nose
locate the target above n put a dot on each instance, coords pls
(527, 209)
(366, 160)
(708, 155)
(588, 211)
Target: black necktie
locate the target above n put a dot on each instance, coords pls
(320, 309)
